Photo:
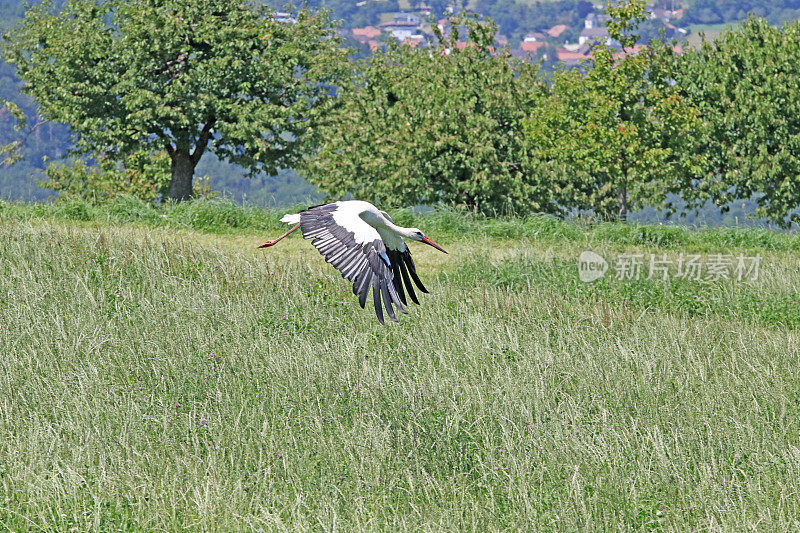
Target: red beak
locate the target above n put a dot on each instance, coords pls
(427, 240)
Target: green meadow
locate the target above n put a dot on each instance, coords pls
(158, 372)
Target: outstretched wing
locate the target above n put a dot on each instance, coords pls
(356, 250)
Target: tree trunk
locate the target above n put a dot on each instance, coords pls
(623, 189)
(180, 187)
(623, 204)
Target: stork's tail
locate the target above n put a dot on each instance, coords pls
(291, 218)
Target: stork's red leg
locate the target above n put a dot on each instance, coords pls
(275, 241)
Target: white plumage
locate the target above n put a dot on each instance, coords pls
(291, 219)
(367, 247)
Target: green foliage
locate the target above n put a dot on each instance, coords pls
(614, 136)
(436, 125)
(212, 215)
(141, 175)
(626, 15)
(220, 74)
(9, 153)
(745, 85)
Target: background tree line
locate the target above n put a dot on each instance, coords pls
(637, 127)
(452, 124)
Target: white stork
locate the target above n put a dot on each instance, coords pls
(367, 247)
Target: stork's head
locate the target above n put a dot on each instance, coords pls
(416, 234)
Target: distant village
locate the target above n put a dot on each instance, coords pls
(414, 28)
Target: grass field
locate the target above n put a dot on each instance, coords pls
(160, 373)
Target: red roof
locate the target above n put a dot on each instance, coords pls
(571, 57)
(531, 46)
(536, 35)
(370, 32)
(373, 45)
(555, 31)
(630, 51)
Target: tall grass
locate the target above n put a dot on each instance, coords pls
(224, 216)
(161, 380)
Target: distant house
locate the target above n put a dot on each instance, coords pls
(535, 37)
(400, 30)
(595, 20)
(415, 41)
(598, 35)
(460, 45)
(407, 18)
(286, 18)
(574, 58)
(527, 51)
(629, 51)
(532, 46)
(556, 31)
(365, 34)
(666, 15)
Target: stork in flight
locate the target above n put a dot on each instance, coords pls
(367, 247)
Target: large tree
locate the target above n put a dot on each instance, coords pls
(439, 124)
(747, 86)
(182, 76)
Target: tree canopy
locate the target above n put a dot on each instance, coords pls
(615, 134)
(745, 84)
(424, 126)
(180, 76)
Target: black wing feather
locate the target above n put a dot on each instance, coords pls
(387, 301)
(413, 271)
(405, 265)
(407, 280)
(398, 281)
(376, 297)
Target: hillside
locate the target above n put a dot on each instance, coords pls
(162, 373)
